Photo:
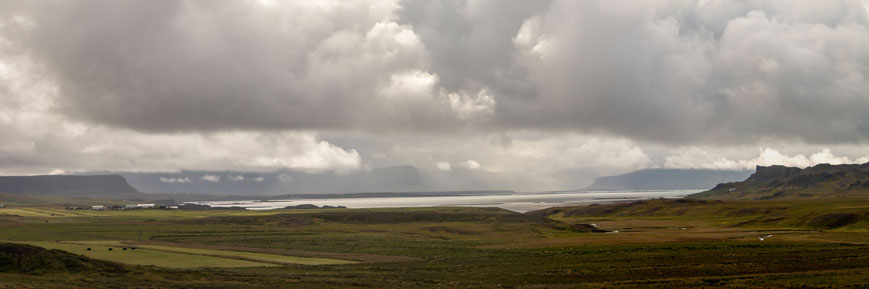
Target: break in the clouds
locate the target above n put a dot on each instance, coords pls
(530, 87)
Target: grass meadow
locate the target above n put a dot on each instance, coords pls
(695, 245)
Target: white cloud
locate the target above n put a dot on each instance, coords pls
(466, 106)
(699, 158)
(410, 86)
(604, 153)
(471, 164)
(174, 180)
(444, 166)
(235, 178)
(827, 157)
(259, 179)
(317, 156)
(211, 178)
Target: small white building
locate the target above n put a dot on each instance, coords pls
(145, 206)
(98, 208)
(173, 207)
(130, 207)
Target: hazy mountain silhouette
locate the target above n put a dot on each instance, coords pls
(387, 179)
(667, 179)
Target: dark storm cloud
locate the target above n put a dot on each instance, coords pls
(667, 72)
(174, 65)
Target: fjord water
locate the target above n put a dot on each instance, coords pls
(520, 202)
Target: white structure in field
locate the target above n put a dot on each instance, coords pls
(145, 206)
(98, 208)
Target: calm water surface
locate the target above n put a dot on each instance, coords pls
(520, 202)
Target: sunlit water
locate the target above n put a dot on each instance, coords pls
(521, 202)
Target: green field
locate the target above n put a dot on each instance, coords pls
(145, 256)
(658, 244)
(45, 211)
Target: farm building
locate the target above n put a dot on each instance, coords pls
(145, 206)
(98, 208)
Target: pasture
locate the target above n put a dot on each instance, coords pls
(440, 247)
(147, 256)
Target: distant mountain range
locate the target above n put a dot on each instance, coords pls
(667, 179)
(209, 185)
(187, 185)
(780, 182)
(388, 179)
(97, 186)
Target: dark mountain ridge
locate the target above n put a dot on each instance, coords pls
(66, 185)
(775, 182)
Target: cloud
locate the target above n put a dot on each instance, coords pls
(174, 180)
(467, 106)
(532, 87)
(259, 179)
(444, 166)
(189, 64)
(285, 178)
(666, 72)
(211, 178)
(604, 153)
(235, 178)
(471, 165)
(699, 158)
(827, 157)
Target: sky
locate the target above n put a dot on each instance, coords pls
(531, 90)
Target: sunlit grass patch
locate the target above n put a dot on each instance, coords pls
(146, 256)
(272, 258)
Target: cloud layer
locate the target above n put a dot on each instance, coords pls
(529, 87)
(670, 72)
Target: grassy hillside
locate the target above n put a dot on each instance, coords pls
(779, 182)
(823, 214)
(28, 259)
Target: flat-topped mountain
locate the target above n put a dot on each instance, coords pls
(776, 182)
(63, 185)
(667, 179)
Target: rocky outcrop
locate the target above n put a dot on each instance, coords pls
(775, 182)
(772, 173)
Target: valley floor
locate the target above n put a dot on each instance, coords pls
(436, 247)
